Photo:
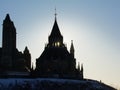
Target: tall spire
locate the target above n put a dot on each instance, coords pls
(82, 71)
(55, 13)
(55, 29)
(32, 68)
(55, 35)
(72, 48)
(82, 68)
(27, 57)
(78, 66)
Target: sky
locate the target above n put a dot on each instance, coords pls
(93, 25)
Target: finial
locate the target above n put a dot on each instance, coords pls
(71, 41)
(55, 13)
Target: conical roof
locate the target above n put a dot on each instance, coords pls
(72, 46)
(7, 18)
(55, 30)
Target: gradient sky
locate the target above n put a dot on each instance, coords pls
(93, 25)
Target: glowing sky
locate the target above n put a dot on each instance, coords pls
(93, 25)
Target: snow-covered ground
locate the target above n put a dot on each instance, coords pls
(51, 84)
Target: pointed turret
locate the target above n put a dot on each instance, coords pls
(7, 22)
(72, 48)
(7, 18)
(78, 66)
(55, 30)
(82, 71)
(27, 57)
(26, 51)
(55, 38)
(81, 67)
(32, 68)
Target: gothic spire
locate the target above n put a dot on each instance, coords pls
(7, 22)
(72, 48)
(82, 70)
(81, 67)
(26, 50)
(7, 18)
(55, 36)
(55, 29)
(55, 13)
(32, 68)
(78, 66)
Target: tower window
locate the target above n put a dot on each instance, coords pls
(57, 44)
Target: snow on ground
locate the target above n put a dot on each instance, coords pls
(54, 84)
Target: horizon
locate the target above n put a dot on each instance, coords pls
(93, 26)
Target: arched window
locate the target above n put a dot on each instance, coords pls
(57, 44)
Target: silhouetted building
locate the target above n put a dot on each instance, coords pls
(12, 60)
(56, 60)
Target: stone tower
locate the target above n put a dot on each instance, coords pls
(8, 43)
(11, 59)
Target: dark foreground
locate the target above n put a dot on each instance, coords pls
(51, 84)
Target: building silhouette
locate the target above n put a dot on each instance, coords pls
(56, 60)
(12, 60)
